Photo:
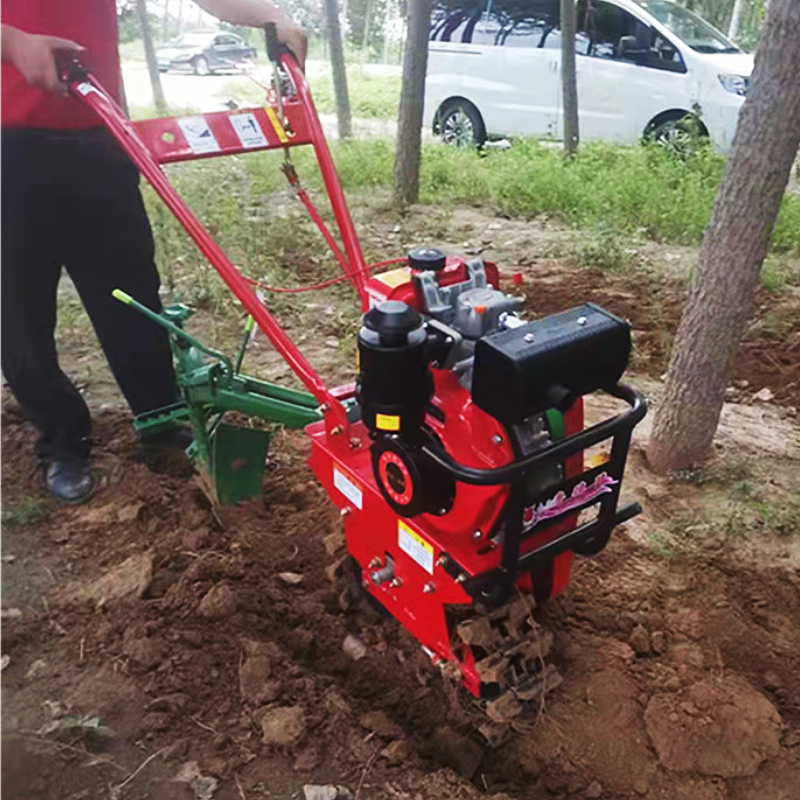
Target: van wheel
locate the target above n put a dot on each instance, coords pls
(681, 137)
(461, 125)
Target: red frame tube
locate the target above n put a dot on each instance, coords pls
(350, 241)
(124, 131)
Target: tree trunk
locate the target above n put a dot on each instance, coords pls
(733, 249)
(165, 28)
(365, 37)
(569, 80)
(339, 74)
(408, 152)
(150, 55)
(736, 15)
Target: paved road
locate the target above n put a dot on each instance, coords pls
(210, 93)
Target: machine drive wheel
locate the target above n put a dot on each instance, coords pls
(461, 125)
(201, 67)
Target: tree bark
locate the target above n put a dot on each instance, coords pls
(150, 55)
(408, 152)
(339, 73)
(569, 80)
(365, 37)
(165, 28)
(733, 249)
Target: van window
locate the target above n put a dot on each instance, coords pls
(604, 30)
(455, 20)
(500, 23)
(688, 27)
(522, 23)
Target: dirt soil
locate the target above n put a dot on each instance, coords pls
(155, 647)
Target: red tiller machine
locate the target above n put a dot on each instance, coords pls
(457, 456)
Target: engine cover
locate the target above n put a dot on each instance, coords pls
(549, 363)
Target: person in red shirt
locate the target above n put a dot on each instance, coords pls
(71, 199)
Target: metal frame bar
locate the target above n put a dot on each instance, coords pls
(84, 86)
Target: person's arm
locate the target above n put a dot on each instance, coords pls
(256, 13)
(34, 56)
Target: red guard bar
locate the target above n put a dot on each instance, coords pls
(169, 139)
(91, 93)
(349, 239)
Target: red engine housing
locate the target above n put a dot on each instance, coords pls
(422, 588)
(397, 284)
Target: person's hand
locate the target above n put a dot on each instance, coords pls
(34, 56)
(295, 39)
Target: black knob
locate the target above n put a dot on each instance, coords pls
(425, 258)
(393, 321)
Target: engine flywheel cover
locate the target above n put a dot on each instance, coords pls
(398, 476)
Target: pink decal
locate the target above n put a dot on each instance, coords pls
(580, 496)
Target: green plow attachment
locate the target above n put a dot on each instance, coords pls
(231, 454)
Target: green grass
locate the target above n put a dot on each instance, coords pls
(627, 190)
(30, 512)
(618, 192)
(375, 97)
(371, 97)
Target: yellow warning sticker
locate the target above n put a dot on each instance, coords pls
(412, 544)
(387, 422)
(276, 123)
(395, 277)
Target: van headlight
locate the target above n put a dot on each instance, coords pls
(738, 84)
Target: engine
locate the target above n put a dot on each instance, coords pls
(440, 315)
(463, 483)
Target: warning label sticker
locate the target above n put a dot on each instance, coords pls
(348, 489)
(248, 130)
(395, 277)
(198, 135)
(412, 544)
(276, 123)
(387, 422)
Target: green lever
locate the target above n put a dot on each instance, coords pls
(124, 297)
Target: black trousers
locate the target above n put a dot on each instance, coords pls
(71, 200)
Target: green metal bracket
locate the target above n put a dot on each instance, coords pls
(232, 455)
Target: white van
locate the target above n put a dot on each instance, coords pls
(494, 69)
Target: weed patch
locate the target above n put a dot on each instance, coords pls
(30, 512)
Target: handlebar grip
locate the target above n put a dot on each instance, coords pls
(69, 66)
(273, 46)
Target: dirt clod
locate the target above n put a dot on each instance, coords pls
(398, 752)
(196, 540)
(790, 738)
(146, 651)
(283, 726)
(354, 648)
(716, 728)
(254, 681)
(218, 603)
(124, 583)
(308, 759)
(379, 723)
(36, 670)
(594, 790)
(640, 640)
(457, 751)
(156, 721)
